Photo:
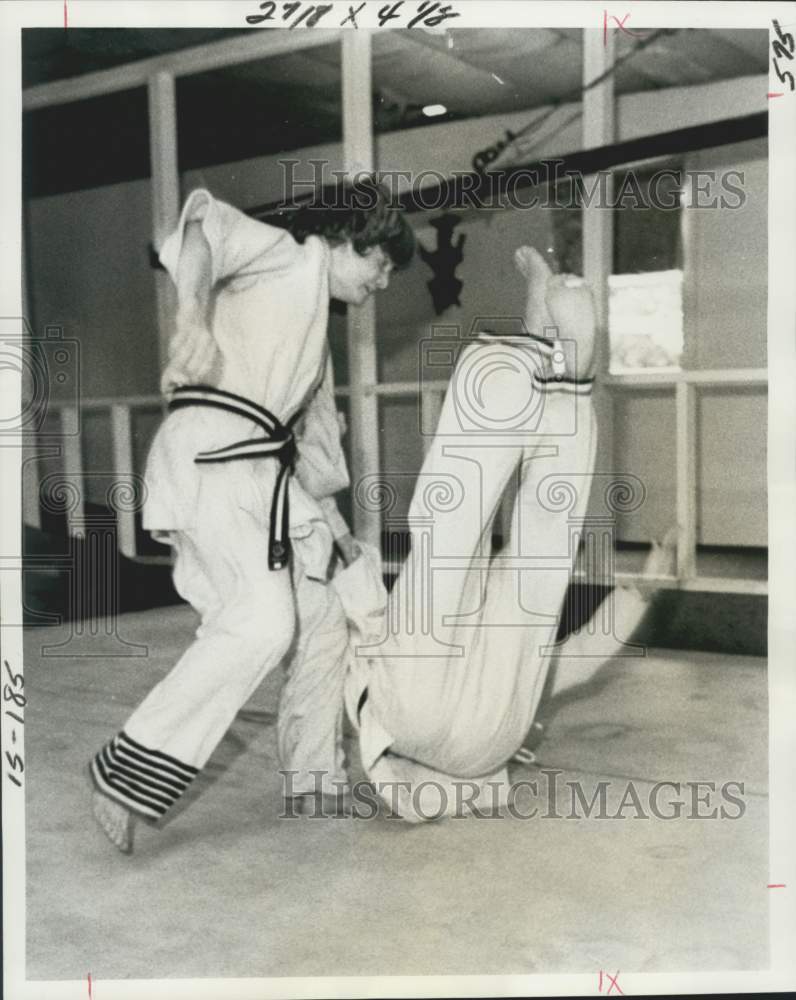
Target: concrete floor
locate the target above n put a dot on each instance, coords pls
(227, 889)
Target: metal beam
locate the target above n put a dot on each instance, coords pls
(474, 191)
(165, 193)
(31, 509)
(73, 467)
(701, 584)
(686, 480)
(122, 450)
(598, 130)
(750, 377)
(452, 58)
(259, 44)
(598, 228)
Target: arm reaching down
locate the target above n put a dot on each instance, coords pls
(321, 468)
(348, 547)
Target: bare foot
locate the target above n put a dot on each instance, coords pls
(533, 267)
(571, 307)
(560, 307)
(661, 561)
(526, 754)
(115, 821)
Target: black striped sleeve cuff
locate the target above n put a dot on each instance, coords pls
(561, 383)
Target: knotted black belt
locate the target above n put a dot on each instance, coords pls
(279, 442)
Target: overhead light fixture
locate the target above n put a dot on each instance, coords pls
(434, 110)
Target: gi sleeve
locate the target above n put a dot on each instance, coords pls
(334, 518)
(321, 466)
(240, 247)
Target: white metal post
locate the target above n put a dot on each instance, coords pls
(685, 403)
(358, 156)
(165, 192)
(431, 400)
(598, 230)
(122, 442)
(73, 468)
(598, 130)
(31, 511)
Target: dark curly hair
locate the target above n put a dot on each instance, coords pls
(360, 211)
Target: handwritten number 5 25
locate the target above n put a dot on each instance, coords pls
(783, 47)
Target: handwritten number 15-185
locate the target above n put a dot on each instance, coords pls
(15, 762)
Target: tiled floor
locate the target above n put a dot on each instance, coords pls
(227, 889)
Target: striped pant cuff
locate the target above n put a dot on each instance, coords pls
(559, 383)
(147, 782)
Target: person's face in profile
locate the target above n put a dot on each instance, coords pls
(353, 277)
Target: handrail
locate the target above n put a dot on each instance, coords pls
(695, 376)
(685, 385)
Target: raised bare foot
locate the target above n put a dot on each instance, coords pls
(115, 821)
(661, 561)
(534, 268)
(559, 307)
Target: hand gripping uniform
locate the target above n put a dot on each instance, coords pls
(240, 474)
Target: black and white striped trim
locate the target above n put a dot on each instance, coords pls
(544, 344)
(559, 383)
(279, 443)
(253, 448)
(207, 395)
(145, 781)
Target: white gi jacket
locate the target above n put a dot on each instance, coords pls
(269, 314)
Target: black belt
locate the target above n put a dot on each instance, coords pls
(279, 442)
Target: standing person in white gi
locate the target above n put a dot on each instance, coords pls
(249, 383)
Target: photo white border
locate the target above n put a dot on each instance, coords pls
(16, 14)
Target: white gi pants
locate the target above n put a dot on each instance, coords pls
(454, 682)
(251, 620)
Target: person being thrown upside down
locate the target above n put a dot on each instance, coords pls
(446, 674)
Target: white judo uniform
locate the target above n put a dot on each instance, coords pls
(446, 673)
(270, 303)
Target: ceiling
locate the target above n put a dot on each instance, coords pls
(293, 100)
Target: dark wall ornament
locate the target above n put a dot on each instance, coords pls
(445, 286)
